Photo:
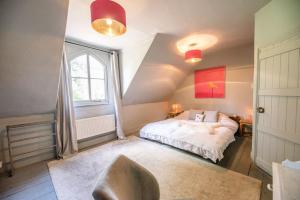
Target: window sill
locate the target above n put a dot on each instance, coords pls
(90, 103)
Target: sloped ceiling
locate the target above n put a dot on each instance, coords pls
(158, 71)
(131, 57)
(159, 74)
(33, 31)
(31, 39)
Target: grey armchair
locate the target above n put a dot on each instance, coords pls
(124, 179)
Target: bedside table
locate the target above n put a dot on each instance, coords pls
(245, 124)
(173, 114)
(237, 119)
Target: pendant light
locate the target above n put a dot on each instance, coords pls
(108, 17)
(193, 56)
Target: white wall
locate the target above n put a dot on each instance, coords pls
(238, 87)
(136, 116)
(276, 21)
(31, 39)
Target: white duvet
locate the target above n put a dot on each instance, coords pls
(208, 140)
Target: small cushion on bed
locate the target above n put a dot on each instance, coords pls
(211, 116)
(199, 118)
(193, 113)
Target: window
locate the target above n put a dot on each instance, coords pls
(89, 81)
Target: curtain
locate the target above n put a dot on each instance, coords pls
(117, 94)
(66, 137)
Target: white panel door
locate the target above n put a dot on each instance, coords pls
(277, 127)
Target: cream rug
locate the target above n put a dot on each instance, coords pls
(180, 175)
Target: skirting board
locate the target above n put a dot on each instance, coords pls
(264, 165)
(96, 140)
(134, 130)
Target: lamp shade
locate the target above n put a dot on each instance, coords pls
(108, 17)
(176, 108)
(193, 56)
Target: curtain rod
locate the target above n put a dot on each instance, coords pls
(87, 46)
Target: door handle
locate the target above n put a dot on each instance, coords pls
(260, 110)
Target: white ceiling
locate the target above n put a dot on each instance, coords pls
(231, 21)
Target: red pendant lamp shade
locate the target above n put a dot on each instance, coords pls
(193, 56)
(108, 17)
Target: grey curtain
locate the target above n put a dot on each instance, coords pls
(66, 137)
(117, 94)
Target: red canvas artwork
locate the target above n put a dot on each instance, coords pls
(210, 83)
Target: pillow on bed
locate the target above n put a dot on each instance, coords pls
(224, 120)
(193, 113)
(211, 116)
(199, 117)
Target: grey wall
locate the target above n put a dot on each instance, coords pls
(138, 115)
(238, 87)
(37, 149)
(31, 39)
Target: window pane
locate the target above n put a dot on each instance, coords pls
(96, 68)
(98, 89)
(79, 66)
(80, 89)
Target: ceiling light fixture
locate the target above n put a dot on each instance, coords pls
(108, 17)
(193, 56)
(196, 41)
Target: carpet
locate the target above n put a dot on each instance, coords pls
(181, 176)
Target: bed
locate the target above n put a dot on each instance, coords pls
(207, 138)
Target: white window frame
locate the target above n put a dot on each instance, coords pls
(91, 102)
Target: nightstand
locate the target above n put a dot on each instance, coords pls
(245, 127)
(173, 114)
(237, 120)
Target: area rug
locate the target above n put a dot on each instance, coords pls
(180, 175)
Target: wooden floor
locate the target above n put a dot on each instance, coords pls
(34, 182)
(28, 183)
(237, 158)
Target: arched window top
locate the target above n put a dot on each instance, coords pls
(79, 66)
(96, 67)
(89, 81)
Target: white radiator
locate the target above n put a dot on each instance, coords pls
(89, 127)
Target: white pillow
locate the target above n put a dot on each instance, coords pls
(224, 120)
(211, 116)
(193, 113)
(199, 117)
